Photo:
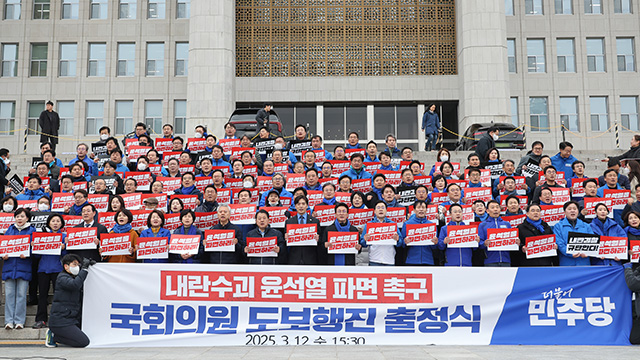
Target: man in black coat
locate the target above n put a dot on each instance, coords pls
(223, 257)
(632, 153)
(263, 230)
(303, 255)
(66, 309)
(49, 122)
(487, 142)
(4, 170)
(341, 223)
(89, 220)
(262, 117)
(530, 228)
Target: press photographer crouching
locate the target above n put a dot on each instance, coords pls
(64, 322)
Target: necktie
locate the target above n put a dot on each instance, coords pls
(300, 219)
(87, 225)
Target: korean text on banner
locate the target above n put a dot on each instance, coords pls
(302, 234)
(342, 242)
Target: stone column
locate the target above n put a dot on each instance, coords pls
(482, 62)
(212, 65)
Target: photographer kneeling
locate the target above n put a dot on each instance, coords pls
(64, 322)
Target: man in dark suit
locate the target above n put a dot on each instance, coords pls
(303, 255)
(89, 214)
(487, 142)
(4, 170)
(49, 122)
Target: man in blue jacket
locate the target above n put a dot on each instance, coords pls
(570, 223)
(189, 186)
(357, 171)
(431, 126)
(563, 160)
(278, 184)
(419, 254)
(494, 221)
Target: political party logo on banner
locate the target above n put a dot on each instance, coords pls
(502, 240)
(46, 243)
(152, 248)
(220, 240)
(184, 244)
(342, 242)
(382, 233)
(420, 234)
(462, 236)
(261, 247)
(581, 243)
(277, 215)
(541, 246)
(302, 234)
(81, 238)
(115, 244)
(14, 245)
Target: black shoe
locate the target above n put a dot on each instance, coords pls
(39, 325)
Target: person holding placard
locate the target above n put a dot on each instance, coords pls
(570, 223)
(223, 257)
(494, 221)
(458, 256)
(377, 185)
(210, 203)
(187, 218)
(632, 220)
(303, 255)
(278, 184)
(380, 255)
(188, 186)
(590, 189)
(34, 190)
(155, 228)
(16, 274)
(419, 254)
(533, 225)
(264, 230)
(604, 226)
(89, 216)
(341, 224)
(123, 220)
(48, 269)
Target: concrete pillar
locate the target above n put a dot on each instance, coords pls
(212, 65)
(482, 62)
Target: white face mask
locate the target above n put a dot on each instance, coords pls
(278, 146)
(74, 270)
(273, 203)
(43, 207)
(625, 171)
(198, 135)
(495, 137)
(7, 161)
(444, 158)
(104, 137)
(7, 207)
(142, 166)
(247, 184)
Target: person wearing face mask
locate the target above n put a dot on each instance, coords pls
(43, 204)
(66, 314)
(9, 204)
(210, 196)
(248, 182)
(105, 134)
(487, 142)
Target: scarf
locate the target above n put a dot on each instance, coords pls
(24, 226)
(192, 230)
(331, 201)
(339, 259)
(188, 190)
(78, 209)
(361, 207)
(155, 230)
(121, 229)
(482, 217)
(536, 224)
(632, 231)
(342, 228)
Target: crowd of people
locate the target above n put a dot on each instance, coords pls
(213, 174)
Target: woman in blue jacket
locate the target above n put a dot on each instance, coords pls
(16, 273)
(187, 218)
(430, 126)
(562, 229)
(49, 267)
(604, 226)
(155, 228)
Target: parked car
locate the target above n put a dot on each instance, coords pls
(510, 136)
(245, 122)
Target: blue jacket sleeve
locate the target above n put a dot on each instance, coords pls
(424, 120)
(362, 241)
(561, 240)
(441, 236)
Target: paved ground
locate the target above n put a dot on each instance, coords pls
(328, 352)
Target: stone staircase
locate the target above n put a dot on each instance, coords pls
(25, 334)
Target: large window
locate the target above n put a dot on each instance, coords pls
(508, 7)
(599, 113)
(126, 59)
(7, 117)
(39, 59)
(184, 9)
(339, 121)
(127, 9)
(564, 7)
(153, 115)
(535, 56)
(533, 7)
(514, 111)
(622, 6)
(626, 54)
(35, 108)
(569, 113)
(99, 9)
(68, 59)
(401, 121)
(66, 112)
(595, 55)
(124, 117)
(97, 62)
(156, 9)
(593, 6)
(179, 116)
(566, 55)
(9, 60)
(70, 9)
(12, 9)
(41, 9)
(95, 117)
(182, 58)
(155, 59)
(539, 114)
(629, 112)
(511, 55)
